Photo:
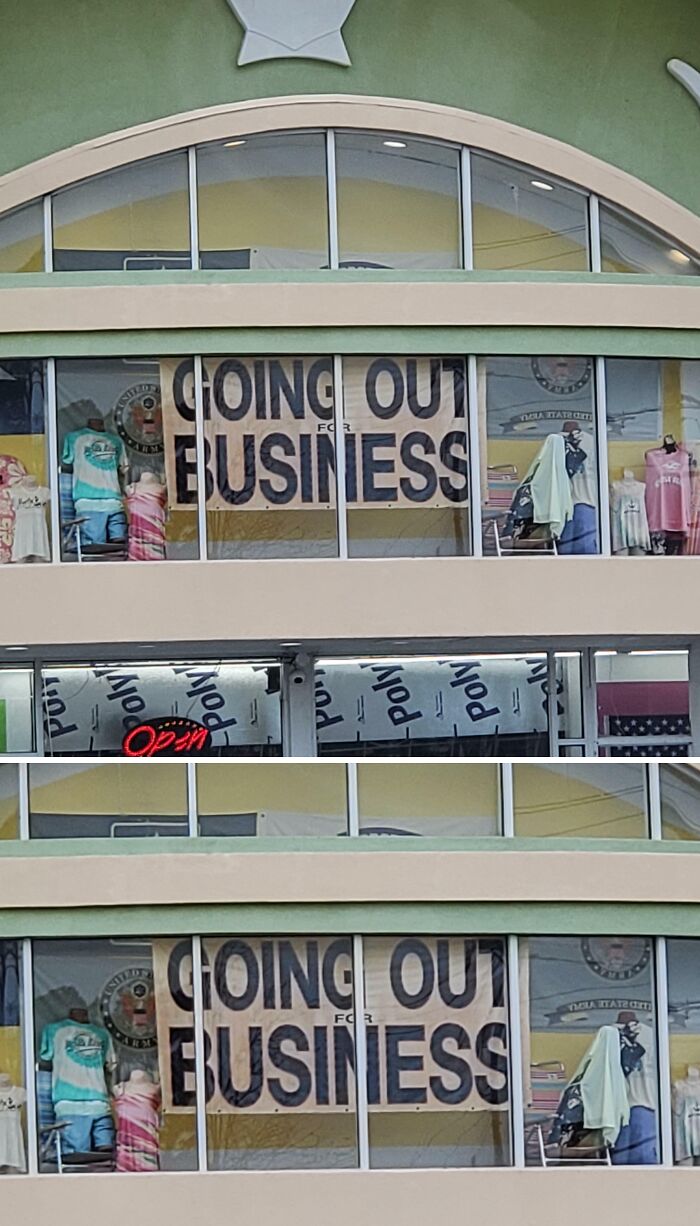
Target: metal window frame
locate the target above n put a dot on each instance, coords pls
(193, 200)
(202, 534)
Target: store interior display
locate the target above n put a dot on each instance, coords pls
(136, 1105)
(686, 1117)
(146, 501)
(13, 1159)
(613, 1093)
(82, 1061)
(557, 500)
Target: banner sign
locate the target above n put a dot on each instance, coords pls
(389, 700)
(269, 433)
(279, 1024)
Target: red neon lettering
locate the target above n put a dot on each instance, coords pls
(199, 738)
(143, 750)
(163, 741)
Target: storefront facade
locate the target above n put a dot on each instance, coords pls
(349, 533)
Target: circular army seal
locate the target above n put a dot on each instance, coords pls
(562, 376)
(138, 418)
(616, 958)
(128, 1008)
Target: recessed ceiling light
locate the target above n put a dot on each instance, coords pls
(233, 144)
(679, 256)
(16, 649)
(544, 187)
(290, 644)
(395, 144)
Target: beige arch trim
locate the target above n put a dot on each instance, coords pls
(429, 119)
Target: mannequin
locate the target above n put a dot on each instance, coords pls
(686, 1118)
(145, 500)
(82, 1059)
(12, 1099)
(636, 1144)
(667, 481)
(98, 462)
(580, 534)
(137, 1108)
(31, 537)
(628, 516)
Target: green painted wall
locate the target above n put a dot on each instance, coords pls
(659, 919)
(590, 72)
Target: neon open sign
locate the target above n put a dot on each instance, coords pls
(170, 734)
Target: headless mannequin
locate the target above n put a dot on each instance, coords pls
(686, 1112)
(12, 1099)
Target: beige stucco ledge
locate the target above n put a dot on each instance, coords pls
(348, 877)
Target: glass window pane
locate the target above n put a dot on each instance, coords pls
(118, 708)
(22, 239)
(127, 459)
(643, 694)
(406, 456)
(449, 799)
(270, 457)
(9, 807)
(569, 691)
(263, 202)
(460, 707)
(13, 1085)
(587, 800)
(539, 479)
(680, 801)
(589, 1050)
(437, 1051)
(629, 245)
(272, 799)
(525, 219)
(684, 1027)
(16, 710)
(119, 801)
(398, 202)
(134, 219)
(278, 1027)
(653, 414)
(115, 1078)
(24, 468)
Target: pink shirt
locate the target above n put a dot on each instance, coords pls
(667, 494)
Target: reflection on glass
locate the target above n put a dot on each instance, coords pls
(16, 710)
(628, 245)
(22, 239)
(9, 803)
(126, 454)
(13, 1093)
(539, 479)
(24, 467)
(398, 202)
(114, 1076)
(680, 801)
(406, 456)
(524, 219)
(270, 457)
(643, 700)
(459, 707)
(589, 1043)
(653, 419)
(280, 1053)
(590, 800)
(99, 710)
(135, 218)
(111, 801)
(569, 691)
(271, 799)
(683, 958)
(262, 201)
(437, 1051)
(443, 800)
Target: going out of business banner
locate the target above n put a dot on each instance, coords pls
(278, 1018)
(269, 433)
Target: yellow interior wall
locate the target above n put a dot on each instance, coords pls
(26, 255)
(502, 240)
(685, 1050)
(285, 1130)
(546, 803)
(276, 212)
(11, 1053)
(271, 525)
(154, 790)
(518, 451)
(9, 818)
(233, 787)
(450, 789)
(385, 217)
(159, 223)
(567, 1049)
